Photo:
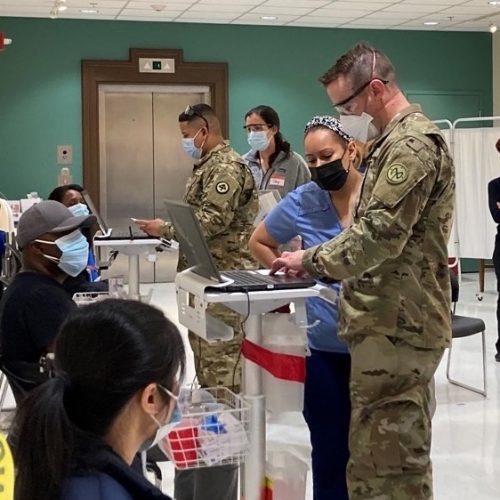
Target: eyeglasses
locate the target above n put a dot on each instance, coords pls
(342, 107)
(190, 111)
(257, 127)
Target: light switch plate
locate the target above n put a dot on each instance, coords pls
(64, 155)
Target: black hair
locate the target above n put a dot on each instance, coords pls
(58, 193)
(200, 111)
(105, 353)
(270, 116)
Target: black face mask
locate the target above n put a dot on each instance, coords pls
(330, 176)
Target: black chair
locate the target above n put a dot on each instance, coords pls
(23, 377)
(465, 326)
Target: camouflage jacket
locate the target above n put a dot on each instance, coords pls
(393, 260)
(222, 193)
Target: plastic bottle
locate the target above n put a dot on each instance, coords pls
(64, 177)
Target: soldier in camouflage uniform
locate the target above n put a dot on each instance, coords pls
(222, 193)
(395, 300)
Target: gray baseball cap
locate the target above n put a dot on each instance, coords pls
(48, 217)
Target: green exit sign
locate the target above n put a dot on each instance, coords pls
(157, 65)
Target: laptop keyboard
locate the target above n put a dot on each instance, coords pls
(247, 278)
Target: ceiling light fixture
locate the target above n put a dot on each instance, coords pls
(431, 23)
(89, 11)
(59, 6)
(493, 28)
(268, 18)
(495, 3)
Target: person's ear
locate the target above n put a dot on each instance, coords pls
(150, 399)
(352, 151)
(377, 87)
(35, 247)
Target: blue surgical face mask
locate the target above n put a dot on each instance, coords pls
(258, 140)
(79, 209)
(74, 252)
(190, 148)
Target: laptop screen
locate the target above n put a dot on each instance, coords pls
(93, 210)
(192, 242)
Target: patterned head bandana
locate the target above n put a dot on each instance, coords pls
(329, 122)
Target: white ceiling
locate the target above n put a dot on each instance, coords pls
(452, 15)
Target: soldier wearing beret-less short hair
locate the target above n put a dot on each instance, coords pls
(222, 192)
(393, 264)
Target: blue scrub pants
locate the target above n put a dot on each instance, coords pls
(327, 411)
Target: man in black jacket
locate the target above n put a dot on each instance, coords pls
(35, 304)
(494, 203)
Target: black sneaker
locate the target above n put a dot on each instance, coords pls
(497, 357)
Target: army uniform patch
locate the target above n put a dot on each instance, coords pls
(397, 174)
(222, 187)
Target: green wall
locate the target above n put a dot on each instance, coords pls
(40, 98)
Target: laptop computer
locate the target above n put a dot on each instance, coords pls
(108, 233)
(194, 246)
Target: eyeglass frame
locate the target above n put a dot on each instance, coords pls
(190, 111)
(340, 106)
(248, 128)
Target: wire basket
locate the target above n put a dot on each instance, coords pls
(214, 429)
(85, 298)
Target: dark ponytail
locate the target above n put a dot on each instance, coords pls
(270, 116)
(106, 353)
(42, 429)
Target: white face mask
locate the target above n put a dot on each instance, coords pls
(359, 127)
(164, 429)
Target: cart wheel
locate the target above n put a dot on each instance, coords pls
(479, 296)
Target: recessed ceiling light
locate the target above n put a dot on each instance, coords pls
(495, 3)
(493, 28)
(268, 18)
(431, 23)
(89, 11)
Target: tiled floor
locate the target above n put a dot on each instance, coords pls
(466, 432)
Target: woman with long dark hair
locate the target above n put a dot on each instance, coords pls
(319, 211)
(273, 163)
(118, 369)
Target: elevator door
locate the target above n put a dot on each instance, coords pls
(142, 162)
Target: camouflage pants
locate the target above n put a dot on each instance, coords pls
(390, 433)
(219, 364)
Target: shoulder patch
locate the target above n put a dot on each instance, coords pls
(222, 187)
(397, 174)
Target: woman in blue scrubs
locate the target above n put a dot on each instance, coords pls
(319, 211)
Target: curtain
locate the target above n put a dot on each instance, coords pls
(476, 163)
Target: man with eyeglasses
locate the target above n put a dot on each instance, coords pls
(393, 264)
(222, 192)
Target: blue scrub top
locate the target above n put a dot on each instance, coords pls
(309, 212)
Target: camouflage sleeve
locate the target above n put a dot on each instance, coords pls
(220, 198)
(398, 199)
(167, 231)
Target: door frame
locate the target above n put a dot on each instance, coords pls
(119, 72)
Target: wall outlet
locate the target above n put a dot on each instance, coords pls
(64, 155)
